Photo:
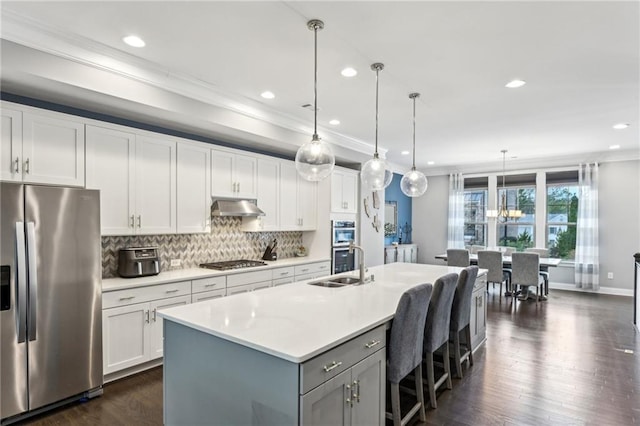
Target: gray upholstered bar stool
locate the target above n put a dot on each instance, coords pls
(436, 332)
(492, 260)
(526, 272)
(544, 271)
(458, 257)
(460, 316)
(404, 351)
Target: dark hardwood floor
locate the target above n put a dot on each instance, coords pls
(572, 360)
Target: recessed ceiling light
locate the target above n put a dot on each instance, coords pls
(404, 152)
(620, 126)
(267, 95)
(349, 72)
(134, 41)
(614, 147)
(515, 84)
(431, 163)
(334, 122)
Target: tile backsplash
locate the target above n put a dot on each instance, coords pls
(225, 242)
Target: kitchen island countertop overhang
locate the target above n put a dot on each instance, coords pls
(296, 322)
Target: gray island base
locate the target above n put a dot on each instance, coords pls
(287, 356)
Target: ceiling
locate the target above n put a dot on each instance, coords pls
(580, 61)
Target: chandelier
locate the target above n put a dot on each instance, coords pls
(503, 213)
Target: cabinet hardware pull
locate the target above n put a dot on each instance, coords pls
(127, 298)
(17, 168)
(133, 221)
(26, 166)
(146, 314)
(172, 291)
(154, 314)
(139, 221)
(304, 270)
(332, 366)
(210, 285)
(348, 400)
(238, 186)
(356, 390)
(284, 273)
(373, 343)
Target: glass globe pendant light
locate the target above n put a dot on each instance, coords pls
(374, 174)
(315, 160)
(414, 183)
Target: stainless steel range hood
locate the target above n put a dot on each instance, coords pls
(235, 207)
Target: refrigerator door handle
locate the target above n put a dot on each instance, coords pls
(33, 279)
(21, 281)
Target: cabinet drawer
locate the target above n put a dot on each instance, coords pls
(481, 283)
(281, 273)
(248, 278)
(208, 295)
(313, 268)
(248, 287)
(281, 281)
(145, 294)
(207, 284)
(331, 363)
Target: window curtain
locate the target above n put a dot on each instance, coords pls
(456, 212)
(587, 268)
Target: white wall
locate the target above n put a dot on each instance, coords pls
(372, 241)
(619, 210)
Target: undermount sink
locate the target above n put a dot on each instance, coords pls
(336, 282)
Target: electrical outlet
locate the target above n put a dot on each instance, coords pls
(610, 275)
(176, 262)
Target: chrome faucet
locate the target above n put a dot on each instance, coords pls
(361, 266)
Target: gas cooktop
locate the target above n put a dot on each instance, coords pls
(232, 264)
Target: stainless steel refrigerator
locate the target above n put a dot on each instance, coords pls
(51, 302)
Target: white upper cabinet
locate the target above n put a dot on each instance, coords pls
(233, 175)
(193, 188)
(298, 200)
(111, 169)
(155, 185)
(43, 147)
(344, 191)
(136, 176)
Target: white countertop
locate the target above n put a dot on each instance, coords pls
(112, 284)
(298, 321)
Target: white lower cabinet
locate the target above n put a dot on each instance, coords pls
(132, 331)
(478, 318)
(355, 395)
(248, 287)
(405, 253)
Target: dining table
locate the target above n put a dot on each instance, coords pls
(545, 262)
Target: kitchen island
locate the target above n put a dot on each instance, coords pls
(294, 354)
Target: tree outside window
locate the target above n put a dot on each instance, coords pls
(562, 216)
(518, 233)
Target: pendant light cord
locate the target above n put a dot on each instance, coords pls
(315, 83)
(414, 96)
(376, 150)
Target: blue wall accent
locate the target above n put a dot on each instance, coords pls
(394, 193)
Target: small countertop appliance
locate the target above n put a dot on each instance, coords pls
(138, 262)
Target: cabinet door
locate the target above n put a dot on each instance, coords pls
(307, 204)
(245, 170)
(52, 150)
(110, 168)
(350, 192)
(11, 146)
(268, 194)
(390, 255)
(414, 254)
(222, 180)
(125, 336)
(193, 189)
(328, 404)
(368, 388)
(155, 185)
(288, 196)
(337, 201)
(156, 332)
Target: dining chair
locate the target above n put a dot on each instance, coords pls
(474, 249)
(544, 270)
(461, 315)
(436, 332)
(526, 272)
(404, 351)
(492, 261)
(458, 257)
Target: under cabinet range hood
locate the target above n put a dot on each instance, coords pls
(235, 207)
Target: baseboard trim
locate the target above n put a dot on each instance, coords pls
(603, 290)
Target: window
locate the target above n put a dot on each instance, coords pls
(562, 214)
(475, 217)
(518, 233)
